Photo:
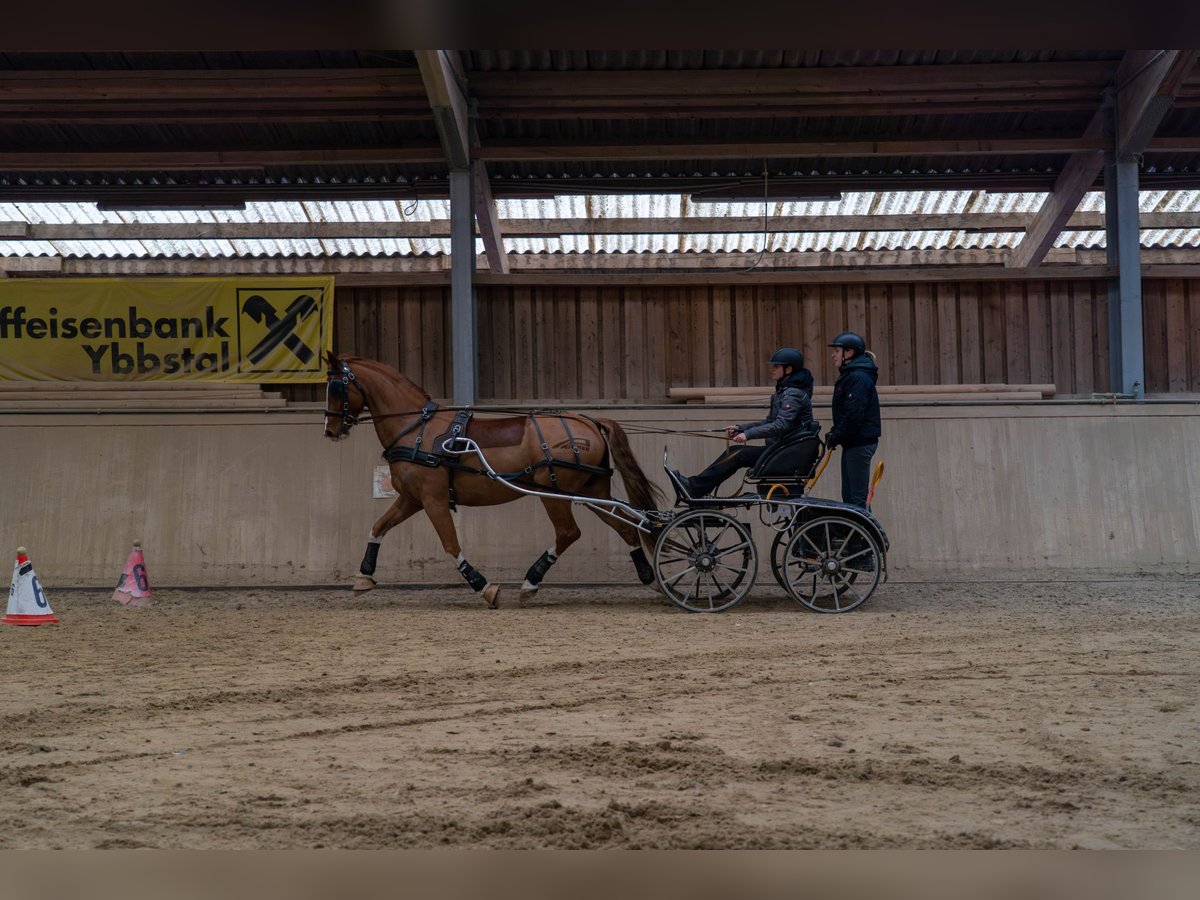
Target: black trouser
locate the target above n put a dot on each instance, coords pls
(723, 466)
(856, 473)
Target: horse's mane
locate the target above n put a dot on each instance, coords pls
(384, 371)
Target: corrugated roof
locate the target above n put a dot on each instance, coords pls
(597, 207)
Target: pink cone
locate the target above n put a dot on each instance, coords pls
(134, 587)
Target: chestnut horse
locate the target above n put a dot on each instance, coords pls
(557, 453)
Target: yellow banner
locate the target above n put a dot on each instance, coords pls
(256, 330)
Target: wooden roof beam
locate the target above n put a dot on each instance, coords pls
(777, 149)
(449, 104)
(188, 160)
(1146, 89)
(440, 228)
(488, 220)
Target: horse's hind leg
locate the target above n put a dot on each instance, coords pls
(630, 535)
(566, 532)
(443, 524)
(402, 507)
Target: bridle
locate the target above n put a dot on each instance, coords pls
(339, 386)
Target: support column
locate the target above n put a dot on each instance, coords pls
(1127, 368)
(462, 289)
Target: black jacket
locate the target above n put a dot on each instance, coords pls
(856, 404)
(791, 409)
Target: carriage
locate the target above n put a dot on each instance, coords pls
(828, 556)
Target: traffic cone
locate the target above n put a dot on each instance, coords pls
(133, 589)
(27, 604)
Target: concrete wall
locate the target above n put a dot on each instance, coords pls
(256, 498)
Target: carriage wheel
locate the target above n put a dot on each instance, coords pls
(705, 561)
(831, 565)
(778, 547)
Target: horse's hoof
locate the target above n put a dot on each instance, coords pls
(362, 583)
(491, 596)
(527, 594)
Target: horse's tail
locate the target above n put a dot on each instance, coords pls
(642, 494)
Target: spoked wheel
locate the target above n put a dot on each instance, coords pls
(705, 561)
(831, 565)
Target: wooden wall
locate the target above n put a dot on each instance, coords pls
(609, 343)
(261, 498)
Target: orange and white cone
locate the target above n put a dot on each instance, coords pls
(27, 603)
(133, 589)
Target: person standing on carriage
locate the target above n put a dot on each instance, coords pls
(791, 414)
(856, 427)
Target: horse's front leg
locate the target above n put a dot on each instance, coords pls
(438, 511)
(402, 507)
(566, 532)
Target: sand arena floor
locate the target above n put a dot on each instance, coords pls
(938, 715)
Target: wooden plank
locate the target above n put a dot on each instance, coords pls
(366, 319)
(992, 327)
(174, 396)
(856, 311)
(164, 401)
(789, 316)
(1192, 289)
(1175, 315)
(1061, 341)
(590, 384)
(412, 336)
(612, 347)
(435, 350)
(655, 323)
(389, 326)
(879, 332)
(813, 340)
(545, 382)
(569, 353)
(745, 347)
(833, 321)
(723, 329)
(1083, 330)
(499, 300)
(486, 342)
(677, 338)
(344, 323)
(970, 333)
(925, 334)
(1041, 366)
(949, 355)
(1016, 333)
(825, 390)
(769, 332)
(889, 399)
(116, 387)
(700, 333)
(636, 360)
(1100, 375)
(1154, 336)
(524, 363)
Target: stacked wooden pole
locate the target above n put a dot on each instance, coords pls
(90, 395)
(888, 393)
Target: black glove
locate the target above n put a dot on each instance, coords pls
(830, 442)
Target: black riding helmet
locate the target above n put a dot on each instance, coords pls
(849, 340)
(787, 356)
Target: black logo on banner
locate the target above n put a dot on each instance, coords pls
(271, 318)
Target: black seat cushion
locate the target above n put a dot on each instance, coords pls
(794, 458)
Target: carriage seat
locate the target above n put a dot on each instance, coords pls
(793, 459)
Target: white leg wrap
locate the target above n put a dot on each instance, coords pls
(371, 539)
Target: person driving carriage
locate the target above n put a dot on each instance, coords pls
(791, 414)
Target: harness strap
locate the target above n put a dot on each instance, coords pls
(457, 430)
(570, 438)
(427, 412)
(546, 452)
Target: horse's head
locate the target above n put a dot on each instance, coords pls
(344, 398)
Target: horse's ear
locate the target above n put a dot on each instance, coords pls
(331, 358)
